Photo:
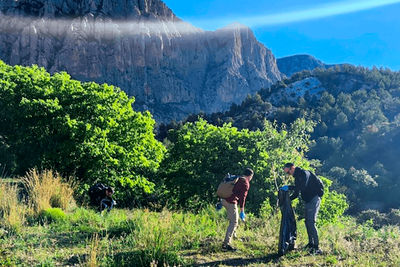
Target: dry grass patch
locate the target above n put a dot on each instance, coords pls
(12, 212)
(47, 189)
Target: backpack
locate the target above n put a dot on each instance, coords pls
(96, 192)
(315, 182)
(225, 188)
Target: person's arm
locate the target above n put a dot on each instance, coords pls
(295, 193)
(297, 185)
(296, 188)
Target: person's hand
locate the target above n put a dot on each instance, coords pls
(242, 215)
(284, 188)
(218, 206)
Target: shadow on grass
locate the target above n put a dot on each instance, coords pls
(241, 261)
(147, 257)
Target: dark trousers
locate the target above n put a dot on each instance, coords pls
(311, 213)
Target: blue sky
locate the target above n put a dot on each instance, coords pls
(360, 32)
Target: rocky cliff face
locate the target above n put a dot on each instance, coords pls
(170, 67)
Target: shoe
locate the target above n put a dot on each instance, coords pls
(228, 248)
(316, 251)
(309, 246)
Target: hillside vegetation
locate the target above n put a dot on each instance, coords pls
(356, 136)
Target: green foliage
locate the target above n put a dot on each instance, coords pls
(201, 154)
(6, 259)
(82, 129)
(358, 115)
(52, 215)
(333, 205)
(379, 219)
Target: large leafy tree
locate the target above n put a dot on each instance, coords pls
(200, 155)
(82, 129)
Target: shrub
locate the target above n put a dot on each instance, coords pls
(47, 190)
(333, 204)
(52, 215)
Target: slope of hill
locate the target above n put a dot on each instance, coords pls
(170, 67)
(357, 136)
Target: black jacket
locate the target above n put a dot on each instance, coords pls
(308, 189)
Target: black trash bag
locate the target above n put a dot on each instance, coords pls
(288, 230)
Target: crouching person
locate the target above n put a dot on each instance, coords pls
(239, 195)
(101, 197)
(107, 202)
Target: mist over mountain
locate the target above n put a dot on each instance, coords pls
(172, 68)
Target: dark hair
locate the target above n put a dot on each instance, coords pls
(248, 172)
(289, 165)
(109, 189)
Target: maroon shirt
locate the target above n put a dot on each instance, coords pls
(239, 192)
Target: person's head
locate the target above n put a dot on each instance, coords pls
(289, 168)
(248, 173)
(109, 191)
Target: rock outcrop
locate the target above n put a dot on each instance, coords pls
(171, 67)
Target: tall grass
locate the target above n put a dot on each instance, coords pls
(94, 251)
(12, 212)
(47, 189)
(144, 238)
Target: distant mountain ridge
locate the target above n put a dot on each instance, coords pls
(172, 68)
(291, 64)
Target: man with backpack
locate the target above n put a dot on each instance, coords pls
(311, 189)
(239, 194)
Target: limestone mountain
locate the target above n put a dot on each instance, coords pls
(171, 67)
(296, 63)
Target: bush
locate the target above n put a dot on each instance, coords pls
(52, 215)
(47, 189)
(333, 204)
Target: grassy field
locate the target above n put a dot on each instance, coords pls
(49, 229)
(142, 238)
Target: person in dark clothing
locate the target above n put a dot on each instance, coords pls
(238, 196)
(311, 190)
(101, 197)
(107, 202)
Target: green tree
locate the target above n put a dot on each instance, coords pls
(82, 129)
